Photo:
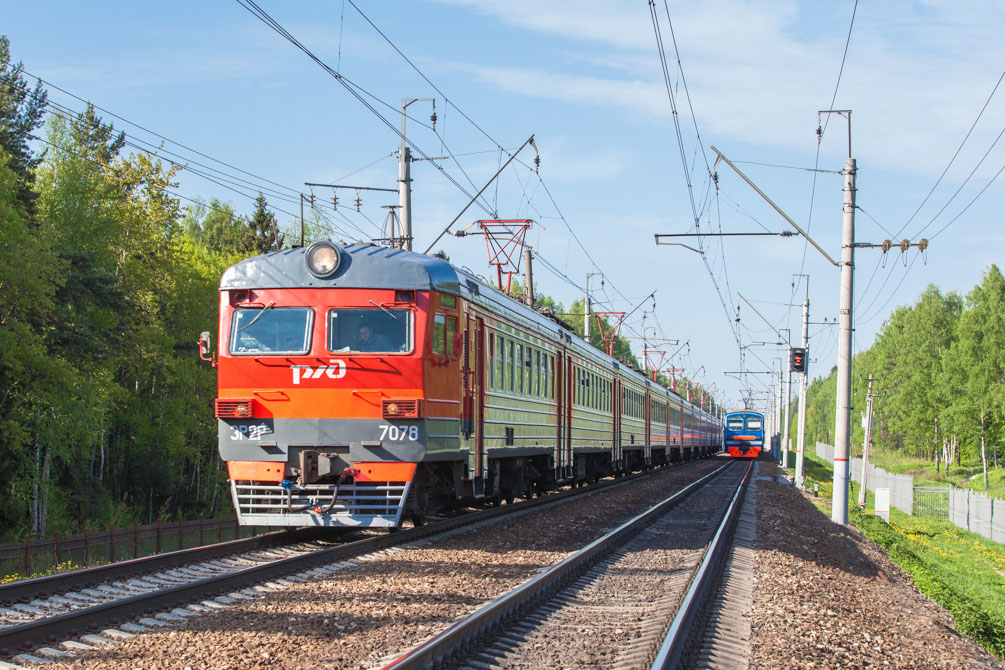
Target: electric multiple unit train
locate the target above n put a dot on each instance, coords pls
(743, 434)
(362, 385)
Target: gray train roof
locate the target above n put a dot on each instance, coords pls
(361, 266)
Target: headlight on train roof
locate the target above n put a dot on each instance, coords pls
(323, 259)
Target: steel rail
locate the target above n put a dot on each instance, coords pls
(78, 579)
(36, 633)
(679, 634)
(438, 649)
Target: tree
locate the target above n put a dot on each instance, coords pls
(975, 366)
(263, 229)
(21, 111)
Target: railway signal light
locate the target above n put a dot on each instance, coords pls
(797, 359)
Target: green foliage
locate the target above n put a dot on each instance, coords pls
(105, 409)
(21, 111)
(264, 229)
(940, 372)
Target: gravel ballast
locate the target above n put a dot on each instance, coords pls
(824, 596)
(376, 608)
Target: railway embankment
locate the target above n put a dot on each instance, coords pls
(826, 596)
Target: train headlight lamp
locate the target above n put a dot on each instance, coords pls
(323, 259)
(391, 409)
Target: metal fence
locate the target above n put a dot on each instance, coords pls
(970, 510)
(901, 486)
(932, 502)
(34, 558)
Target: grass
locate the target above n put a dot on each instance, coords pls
(961, 571)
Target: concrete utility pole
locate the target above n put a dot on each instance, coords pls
(528, 278)
(777, 416)
(785, 426)
(842, 419)
(801, 437)
(865, 443)
(405, 174)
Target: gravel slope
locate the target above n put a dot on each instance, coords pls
(827, 597)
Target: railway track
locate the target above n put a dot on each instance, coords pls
(187, 590)
(607, 605)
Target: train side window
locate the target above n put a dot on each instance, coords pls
(500, 365)
(509, 365)
(549, 377)
(519, 365)
(492, 361)
(451, 335)
(448, 301)
(439, 334)
(538, 385)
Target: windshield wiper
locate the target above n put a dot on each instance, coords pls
(258, 316)
(385, 310)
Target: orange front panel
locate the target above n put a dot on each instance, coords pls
(258, 471)
(384, 472)
(313, 403)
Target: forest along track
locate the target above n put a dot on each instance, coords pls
(127, 604)
(611, 604)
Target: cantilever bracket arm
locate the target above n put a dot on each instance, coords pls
(678, 244)
(776, 207)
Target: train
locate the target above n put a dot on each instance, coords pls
(363, 386)
(743, 434)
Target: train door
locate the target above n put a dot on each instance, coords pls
(647, 407)
(473, 400)
(561, 463)
(479, 352)
(567, 418)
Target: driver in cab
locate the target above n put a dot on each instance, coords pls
(367, 340)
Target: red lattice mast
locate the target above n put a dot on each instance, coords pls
(609, 333)
(504, 240)
(654, 362)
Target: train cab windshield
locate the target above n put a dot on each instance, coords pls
(387, 331)
(753, 423)
(734, 423)
(271, 330)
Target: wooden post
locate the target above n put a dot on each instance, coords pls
(181, 532)
(136, 540)
(201, 529)
(27, 557)
(87, 548)
(158, 547)
(111, 543)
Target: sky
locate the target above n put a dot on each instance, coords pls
(625, 151)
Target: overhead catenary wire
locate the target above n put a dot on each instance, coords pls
(683, 154)
(953, 159)
(356, 91)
